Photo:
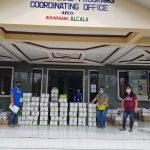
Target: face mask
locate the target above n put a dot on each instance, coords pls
(101, 91)
(128, 91)
(78, 91)
(18, 86)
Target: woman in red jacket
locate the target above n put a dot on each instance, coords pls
(129, 107)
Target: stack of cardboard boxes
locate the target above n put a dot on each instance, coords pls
(63, 98)
(73, 112)
(44, 103)
(34, 110)
(26, 110)
(54, 113)
(54, 94)
(82, 115)
(91, 115)
(63, 114)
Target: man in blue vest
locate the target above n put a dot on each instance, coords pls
(78, 96)
(16, 95)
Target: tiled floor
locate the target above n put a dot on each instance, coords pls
(74, 138)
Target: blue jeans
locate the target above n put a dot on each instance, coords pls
(131, 117)
(105, 113)
(13, 118)
(101, 118)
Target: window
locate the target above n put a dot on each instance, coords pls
(37, 82)
(137, 79)
(6, 78)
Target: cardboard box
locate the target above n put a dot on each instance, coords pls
(26, 104)
(55, 118)
(24, 118)
(53, 104)
(34, 108)
(54, 95)
(47, 96)
(81, 120)
(25, 113)
(146, 114)
(64, 109)
(81, 123)
(91, 105)
(146, 118)
(82, 109)
(63, 113)
(73, 104)
(26, 99)
(33, 99)
(26, 108)
(43, 113)
(145, 110)
(73, 114)
(34, 122)
(53, 123)
(54, 90)
(3, 117)
(53, 113)
(43, 118)
(63, 100)
(73, 121)
(73, 109)
(92, 114)
(27, 94)
(82, 105)
(91, 119)
(43, 123)
(82, 114)
(53, 99)
(92, 124)
(43, 95)
(62, 118)
(54, 109)
(112, 111)
(35, 113)
(46, 100)
(4, 122)
(92, 109)
(63, 123)
(42, 99)
(63, 104)
(44, 109)
(36, 104)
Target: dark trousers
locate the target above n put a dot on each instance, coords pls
(13, 118)
(105, 115)
(101, 118)
(131, 117)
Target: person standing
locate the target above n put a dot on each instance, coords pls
(16, 96)
(102, 100)
(129, 107)
(78, 96)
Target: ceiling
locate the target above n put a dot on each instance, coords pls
(78, 54)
